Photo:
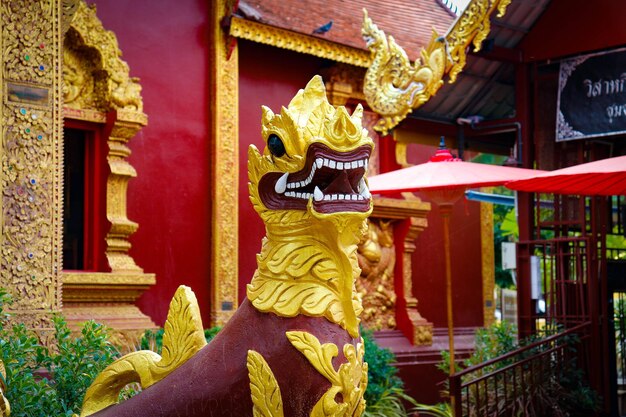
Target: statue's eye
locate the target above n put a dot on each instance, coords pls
(276, 146)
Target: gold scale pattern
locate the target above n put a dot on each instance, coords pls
(31, 126)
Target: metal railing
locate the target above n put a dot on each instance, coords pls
(517, 383)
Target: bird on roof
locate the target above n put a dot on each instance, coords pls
(324, 28)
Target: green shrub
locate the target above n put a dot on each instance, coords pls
(489, 343)
(385, 394)
(78, 361)
(44, 381)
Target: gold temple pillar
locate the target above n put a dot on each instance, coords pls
(225, 163)
(31, 128)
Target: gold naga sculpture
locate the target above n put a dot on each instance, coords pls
(293, 347)
(393, 86)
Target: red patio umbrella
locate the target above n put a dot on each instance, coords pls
(444, 180)
(603, 177)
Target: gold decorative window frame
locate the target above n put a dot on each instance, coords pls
(98, 89)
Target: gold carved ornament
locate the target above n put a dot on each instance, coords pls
(377, 259)
(183, 337)
(94, 70)
(394, 87)
(266, 398)
(225, 168)
(98, 88)
(31, 132)
(348, 382)
(308, 262)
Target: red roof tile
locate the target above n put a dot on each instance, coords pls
(409, 21)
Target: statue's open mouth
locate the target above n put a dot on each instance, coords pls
(332, 180)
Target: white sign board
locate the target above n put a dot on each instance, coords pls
(509, 260)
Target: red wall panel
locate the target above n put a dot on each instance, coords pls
(429, 283)
(165, 44)
(572, 27)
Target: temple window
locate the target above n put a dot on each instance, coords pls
(84, 188)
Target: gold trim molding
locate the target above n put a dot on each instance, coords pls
(394, 86)
(225, 178)
(293, 41)
(83, 287)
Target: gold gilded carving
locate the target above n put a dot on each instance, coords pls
(394, 87)
(225, 221)
(266, 398)
(308, 262)
(31, 132)
(83, 85)
(183, 337)
(98, 46)
(488, 262)
(5, 407)
(124, 125)
(348, 382)
(69, 8)
(422, 329)
(286, 39)
(377, 259)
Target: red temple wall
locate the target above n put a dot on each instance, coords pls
(572, 27)
(165, 44)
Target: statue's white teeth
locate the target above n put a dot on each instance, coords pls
(317, 194)
(281, 184)
(363, 190)
(319, 162)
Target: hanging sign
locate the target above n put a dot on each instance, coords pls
(592, 96)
